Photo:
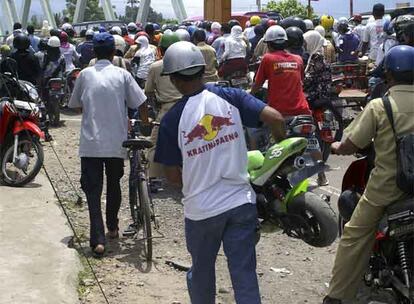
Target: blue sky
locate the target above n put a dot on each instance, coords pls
(336, 8)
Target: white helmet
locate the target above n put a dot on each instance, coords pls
(309, 24)
(90, 32)
(53, 42)
(117, 30)
(66, 26)
(343, 20)
(276, 34)
(183, 57)
(183, 35)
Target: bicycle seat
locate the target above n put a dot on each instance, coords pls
(138, 143)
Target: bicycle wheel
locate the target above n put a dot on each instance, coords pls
(145, 214)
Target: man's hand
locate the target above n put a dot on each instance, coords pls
(275, 121)
(344, 148)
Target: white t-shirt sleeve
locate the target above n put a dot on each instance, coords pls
(134, 95)
(366, 33)
(75, 99)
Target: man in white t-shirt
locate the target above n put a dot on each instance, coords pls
(104, 92)
(373, 37)
(202, 147)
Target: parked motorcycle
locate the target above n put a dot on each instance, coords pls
(21, 151)
(288, 205)
(392, 259)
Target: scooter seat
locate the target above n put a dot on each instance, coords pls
(137, 143)
(401, 206)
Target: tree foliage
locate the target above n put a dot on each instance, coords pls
(132, 11)
(289, 8)
(93, 11)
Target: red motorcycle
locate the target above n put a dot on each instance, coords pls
(390, 272)
(21, 153)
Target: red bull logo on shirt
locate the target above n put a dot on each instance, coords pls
(207, 129)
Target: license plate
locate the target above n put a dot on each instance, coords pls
(239, 81)
(313, 144)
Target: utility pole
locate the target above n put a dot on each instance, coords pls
(259, 5)
(351, 8)
(309, 9)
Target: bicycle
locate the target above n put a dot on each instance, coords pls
(141, 206)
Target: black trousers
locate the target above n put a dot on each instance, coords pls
(92, 184)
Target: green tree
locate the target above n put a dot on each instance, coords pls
(35, 21)
(131, 12)
(289, 8)
(93, 11)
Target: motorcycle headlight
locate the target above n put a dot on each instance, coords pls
(34, 95)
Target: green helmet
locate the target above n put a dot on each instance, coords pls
(168, 38)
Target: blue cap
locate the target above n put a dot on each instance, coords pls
(104, 40)
(400, 58)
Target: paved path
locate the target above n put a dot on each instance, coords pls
(36, 265)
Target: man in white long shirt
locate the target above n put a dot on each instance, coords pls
(103, 93)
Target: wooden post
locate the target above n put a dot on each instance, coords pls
(217, 10)
(351, 8)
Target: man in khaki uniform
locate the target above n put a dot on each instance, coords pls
(161, 89)
(372, 124)
(209, 54)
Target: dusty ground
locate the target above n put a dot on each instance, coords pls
(126, 278)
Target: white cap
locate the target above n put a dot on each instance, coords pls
(117, 30)
(53, 42)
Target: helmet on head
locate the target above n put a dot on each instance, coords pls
(183, 35)
(5, 49)
(157, 27)
(184, 58)
(343, 20)
(321, 30)
(53, 42)
(66, 26)
(132, 27)
(275, 34)
(293, 21)
(357, 18)
(233, 22)
(191, 29)
(215, 26)
(21, 42)
(327, 22)
(116, 30)
(168, 39)
(294, 37)
(309, 24)
(124, 30)
(401, 22)
(89, 33)
(149, 28)
(271, 22)
(399, 58)
(139, 34)
(255, 20)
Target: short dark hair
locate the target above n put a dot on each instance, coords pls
(403, 77)
(82, 33)
(17, 26)
(199, 36)
(277, 46)
(30, 29)
(66, 19)
(225, 28)
(182, 77)
(104, 52)
(378, 10)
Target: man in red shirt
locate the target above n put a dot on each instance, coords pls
(284, 73)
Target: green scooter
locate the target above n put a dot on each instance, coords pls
(280, 179)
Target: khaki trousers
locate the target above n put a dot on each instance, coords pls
(354, 250)
(155, 169)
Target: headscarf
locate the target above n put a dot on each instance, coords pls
(321, 30)
(236, 32)
(314, 43)
(144, 46)
(64, 40)
(216, 28)
(45, 29)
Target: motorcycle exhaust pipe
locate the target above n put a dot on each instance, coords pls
(299, 163)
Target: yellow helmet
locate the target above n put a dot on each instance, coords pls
(255, 20)
(327, 22)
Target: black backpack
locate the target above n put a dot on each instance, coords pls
(405, 154)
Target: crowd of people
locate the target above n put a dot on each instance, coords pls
(174, 65)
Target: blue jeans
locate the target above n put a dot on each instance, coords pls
(236, 228)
